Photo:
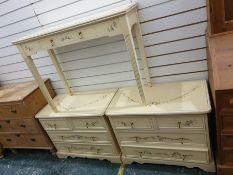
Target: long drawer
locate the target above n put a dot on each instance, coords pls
(197, 156)
(20, 125)
(84, 137)
(182, 139)
(25, 140)
(84, 149)
(95, 123)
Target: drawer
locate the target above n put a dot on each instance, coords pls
(85, 137)
(227, 123)
(227, 141)
(185, 139)
(227, 155)
(181, 122)
(225, 102)
(132, 122)
(166, 154)
(19, 125)
(14, 110)
(83, 149)
(96, 123)
(58, 124)
(22, 140)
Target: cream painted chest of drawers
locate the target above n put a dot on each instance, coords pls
(81, 130)
(171, 129)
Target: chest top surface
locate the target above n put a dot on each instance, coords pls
(221, 53)
(114, 12)
(16, 92)
(163, 99)
(81, 104)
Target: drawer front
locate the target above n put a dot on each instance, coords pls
(227, 156)
(227, 123)
(19, 125)
(16, 110)
(142, 122)
(166, 154)
(227, 141)
(85, 137)
(225, 102)
(88, 123)
(181, 122)
(198, 139)
(85, 149)
(58, 124)
(21, 140)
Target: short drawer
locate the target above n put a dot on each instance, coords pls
(225, 102)
(85, 137)
(14, 110)
(23, 140)
(83, 149)
(167, 154)
(194, 139)
(227, 123)
(19, 125)
(181, 122)
(227, 141)
(88, 123)
(58, 124)
(227, 155)
(132, 122)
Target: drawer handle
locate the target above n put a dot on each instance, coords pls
(23, 126)
(17, 135)
(8, 121)
(52, 43)
(52, 126)
(132, 124)
(9, 140)
(0, 126)
(92, 124)
(33, 140)
(80, 35)
(179, 125)
(14, 111)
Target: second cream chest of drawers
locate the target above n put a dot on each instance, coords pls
(80, 129)
(171, 129)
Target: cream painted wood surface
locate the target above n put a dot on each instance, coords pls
(171, 129)
(118, 21)
(81, 130)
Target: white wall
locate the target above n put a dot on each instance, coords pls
(173, 31)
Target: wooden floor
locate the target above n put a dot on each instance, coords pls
(33, 162)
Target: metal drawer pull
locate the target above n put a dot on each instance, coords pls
(0, 126)
(92, 124)
(187, 123)
(23, 126)
(13, 111)
(179, 124)
(130, 124)
(33, 140)
(9, 140)
(52, 125)
(8, 121)
(17, 135)
(80, 35)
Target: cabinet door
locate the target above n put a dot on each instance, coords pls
(221, 14)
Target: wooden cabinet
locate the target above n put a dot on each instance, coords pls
(171, 129)
(18, 127)
(221, 15)
(84, 131)
(220, 63)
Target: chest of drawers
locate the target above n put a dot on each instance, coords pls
(171, 129)
(220, 64)
(18, 127)
(81, 129)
